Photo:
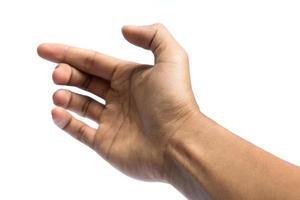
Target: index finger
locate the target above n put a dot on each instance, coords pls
(85, 60)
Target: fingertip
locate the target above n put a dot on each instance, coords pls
(60, 117)
(133, 28)
(61, 98)
(128, 27)
(61, 74)
(55, 112)
(140, 36)
(133, 34)
(125, 29)
(51, 51)
(128, 30)
(41, 49)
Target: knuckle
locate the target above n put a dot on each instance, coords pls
(85, 107)
(87, 81)
(69, 99)
(89, 60)
(82, 134)
(81, 130)
(65, 55)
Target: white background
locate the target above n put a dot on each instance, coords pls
(244, 58)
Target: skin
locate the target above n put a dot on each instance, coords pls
(151, 127)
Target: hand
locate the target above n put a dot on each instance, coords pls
(144, 104)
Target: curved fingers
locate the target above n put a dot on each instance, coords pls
(74, 127)
(65, 74)
(88, 61)
(80, 104)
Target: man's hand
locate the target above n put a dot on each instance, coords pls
(151, 128)
(144, 104)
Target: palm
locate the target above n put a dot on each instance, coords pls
(144, 104)
(133, 126)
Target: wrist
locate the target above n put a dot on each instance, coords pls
(179, 152)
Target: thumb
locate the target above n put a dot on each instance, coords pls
(156, 38)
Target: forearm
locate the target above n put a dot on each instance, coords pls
(209, 158)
